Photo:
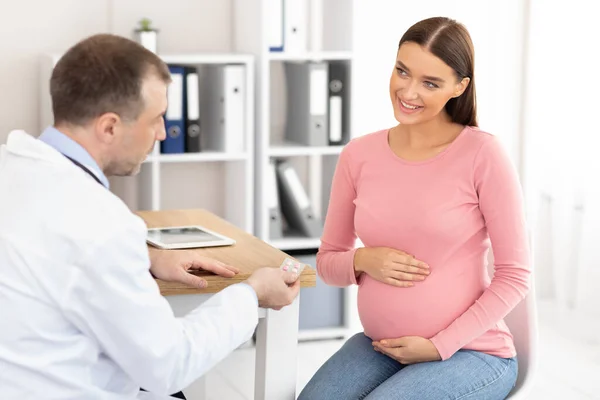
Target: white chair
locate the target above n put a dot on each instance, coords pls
(523, 324)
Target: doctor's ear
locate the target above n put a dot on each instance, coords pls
(106, 127)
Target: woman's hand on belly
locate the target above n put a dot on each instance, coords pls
(391, 266)
(408, 349)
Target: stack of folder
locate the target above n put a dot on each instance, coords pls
(289, 205)
(206, 109)
(318, 103)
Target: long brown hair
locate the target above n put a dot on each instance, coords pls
(450, 41)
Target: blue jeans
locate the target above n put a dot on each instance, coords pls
(357, 371)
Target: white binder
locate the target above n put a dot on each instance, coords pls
(295, 37)
(316, 25)
(275, 24)
(224, 108)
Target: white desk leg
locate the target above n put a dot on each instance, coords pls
(277, 354)
(181, 305)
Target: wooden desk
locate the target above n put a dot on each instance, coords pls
(248, 254)
(277, 331)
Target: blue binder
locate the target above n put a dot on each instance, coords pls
(175, 117)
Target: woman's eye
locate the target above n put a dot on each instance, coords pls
(401, 71)
(431, 85)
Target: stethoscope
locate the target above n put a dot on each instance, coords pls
(84, 168)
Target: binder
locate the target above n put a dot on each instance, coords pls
(339, 102)
(275, 225)
(174, 117)
(307, 96)
(295, 37)
(192, 121)
(224, 110)
(275, 25)
(295, 205)
(316, 25)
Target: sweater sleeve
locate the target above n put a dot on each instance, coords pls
(335, 259)
(501, 204)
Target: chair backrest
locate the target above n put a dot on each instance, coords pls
(522, 322)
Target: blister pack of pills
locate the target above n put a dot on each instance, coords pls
(293, 266)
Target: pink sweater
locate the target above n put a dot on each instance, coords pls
(445, 211)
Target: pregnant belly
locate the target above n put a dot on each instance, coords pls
(423, 310)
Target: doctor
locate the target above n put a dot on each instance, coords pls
(81, 316)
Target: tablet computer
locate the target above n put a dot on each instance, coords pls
(186, 237)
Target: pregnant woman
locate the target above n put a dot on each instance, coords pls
(427, 198)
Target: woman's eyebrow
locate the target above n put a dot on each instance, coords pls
(429, 78)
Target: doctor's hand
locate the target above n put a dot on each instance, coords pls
(408, 349)
(274, 288)
(174, 266)
(391, 266)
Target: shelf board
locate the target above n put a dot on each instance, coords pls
(197, 157)
(295, 243)
(207, 58)
(193, 58)
(290, 149)
(323, 333)
(311, 56)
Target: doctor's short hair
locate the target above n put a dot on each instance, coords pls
(102, 73)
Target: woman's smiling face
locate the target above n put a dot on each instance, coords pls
(421, 84)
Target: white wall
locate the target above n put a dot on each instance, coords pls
(562, 143)
(379, 25)
(29, 28)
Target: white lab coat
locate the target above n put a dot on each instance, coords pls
(81, 317)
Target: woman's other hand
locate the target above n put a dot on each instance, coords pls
(391, 266)
(408, 349)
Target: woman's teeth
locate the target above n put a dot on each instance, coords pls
(409, 106)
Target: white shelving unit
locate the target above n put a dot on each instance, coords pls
(329, 38)
(221, 182)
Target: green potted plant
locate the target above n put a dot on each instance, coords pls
(146, 35)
